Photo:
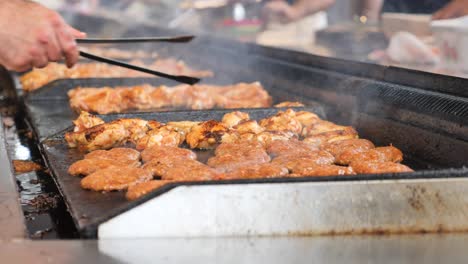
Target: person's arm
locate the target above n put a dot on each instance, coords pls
(33, 35)
(371, 9)
(456, 8)
(302, 8)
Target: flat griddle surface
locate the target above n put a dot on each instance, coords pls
(89, 208)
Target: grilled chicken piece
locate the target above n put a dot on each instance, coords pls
(183, 127)
(104, 136)
(85, 121)
(248, 126)
(141, 189)
(256, 171)
(243, 95)
(380, 154)
(331, 136)
(267, 137)
(136, 97)
(345, 150)
(53, 71)
(137, 128)
(191, 170)
(287, 147)
(89, 166)
(206, 135)
(158, 152)
(323, 170)
(164, 136)
(97, 100)
(301, 161)
(115, 178)
(307, 118)
(321, 126)
(289, 104)
(115, 154)
(282, 122)
(234, 118)
(370, 167)
(110, 134)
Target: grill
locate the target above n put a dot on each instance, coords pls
(422, 114)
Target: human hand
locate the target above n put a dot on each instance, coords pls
(281, 10)
(33, 35)
(454, 9)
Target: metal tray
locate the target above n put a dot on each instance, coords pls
(86, 207)
(90, 209)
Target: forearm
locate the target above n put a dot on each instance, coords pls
(371, 9)
(308, 7)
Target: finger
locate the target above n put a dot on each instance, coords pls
(51, 45)
(75, 32)
(68, 45)
(40, 60)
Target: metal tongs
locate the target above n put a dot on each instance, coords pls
(177, 39)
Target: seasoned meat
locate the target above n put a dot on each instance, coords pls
(300, 161)
(112, 134)
(286, 147)
(115, 154)
(249, 126)
(191, 170)
(345, 150)
(206, 135)
(183, 127)
(380, 154)
(88, 166)
(282, 122)
(233, 118)
(141, 189)
(119, 99)
(306, 118)
(289, 104)
(255, 171)
(369, 167)
(115, 178)
(241, 148)
(164, 136)
(331, 136)
(229, 156)
(267, 137)
(159, 167)
(323, 170)
(97, 100)
(137, 128)
(337, 147)
(85, 121)
(104, 136)
(53, 71)
(322, 126)
(243, 95)
(157, 152)
(229, 162)
(24, 166)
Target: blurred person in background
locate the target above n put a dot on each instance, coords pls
(441, 9)
(289, 11)
(33, 35)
